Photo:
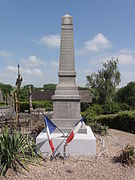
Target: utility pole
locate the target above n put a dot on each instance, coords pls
(18, 84)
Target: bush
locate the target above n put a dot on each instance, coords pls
(98, 128)
(111, 108)
(91, 112)
(124, 107)
(36, 104)
(127, 155)
(2, 103)
(84, 106)
(16, 150)
(24, 106)
(124, 121)
(43, 104)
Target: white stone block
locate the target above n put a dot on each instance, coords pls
(82, 144)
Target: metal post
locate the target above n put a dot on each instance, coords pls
(18, 84)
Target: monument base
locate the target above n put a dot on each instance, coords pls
(82, 144)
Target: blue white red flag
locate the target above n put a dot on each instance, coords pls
(50, 127)
(75, 131)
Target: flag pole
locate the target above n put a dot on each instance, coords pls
(64, 150)
(55, 125)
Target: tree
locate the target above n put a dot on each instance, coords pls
(6, 89)
(103, 83)
(49, 87)
(23, 94)
(27, 87)
(127, 94)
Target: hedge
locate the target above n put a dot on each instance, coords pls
(36, 104)
(2, 103)
(124, 121)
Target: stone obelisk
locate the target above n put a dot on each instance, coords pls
(66, 101)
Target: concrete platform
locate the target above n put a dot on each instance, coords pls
(82, 144)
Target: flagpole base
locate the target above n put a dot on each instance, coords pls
(82, 144)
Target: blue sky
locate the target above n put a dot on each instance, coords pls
(30, 34)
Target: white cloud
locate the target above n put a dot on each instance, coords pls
(32, 72)
(126, 59)
(5, 54)
(24, 71)
(11, 69)
(126, 56)
(86, 71)
(127, 77)
(54, 64)
(98, 43)
(33, 61)
(81, 76)
(51, 40)
(80, 52)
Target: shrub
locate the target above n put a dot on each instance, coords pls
(124, 107)
(127, 155)
(111, 108)
(124, 121)
(36, 104)
(43, 104)
(89, 116)
(84, 106)
(97, 109)
(16, 150)
(24, 106)
(98, 128)
(2, 103)
(91, 112)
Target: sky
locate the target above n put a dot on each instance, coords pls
(30, 35)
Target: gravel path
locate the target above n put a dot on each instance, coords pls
(83, 168)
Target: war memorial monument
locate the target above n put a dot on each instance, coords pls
(66, 101)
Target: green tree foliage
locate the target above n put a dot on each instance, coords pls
(49, 87)
(27, 87)
(47, 105)
(127, 94)
(6, 89)
(24, 94)
(82, 88)
(103, 83)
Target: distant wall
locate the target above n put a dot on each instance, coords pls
(5, 109)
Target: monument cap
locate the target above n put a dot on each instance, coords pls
(67, 19)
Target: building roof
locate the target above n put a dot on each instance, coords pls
(42, 95)
(46, 96)
(86, 96)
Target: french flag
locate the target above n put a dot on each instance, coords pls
(50, 127)
(75, 131)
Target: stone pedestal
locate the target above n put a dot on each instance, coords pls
(82, 144)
